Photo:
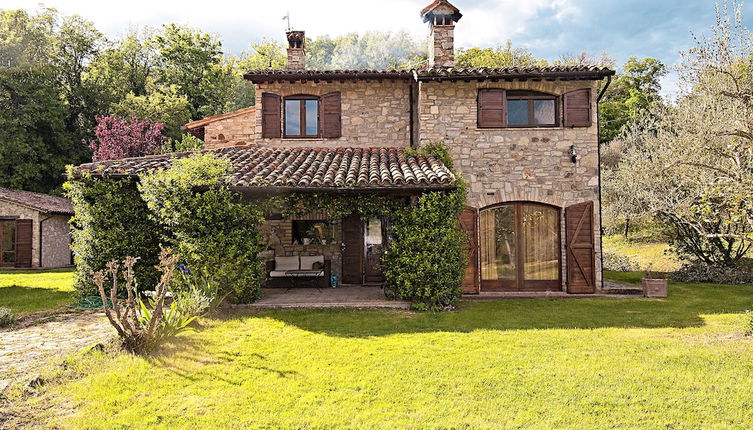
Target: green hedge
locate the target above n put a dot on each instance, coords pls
(110, 223)
(205, 222)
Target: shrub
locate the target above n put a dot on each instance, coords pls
(425, 262)
(205, 222)
(6, 317)
(110, 223)
(142, 325)
(619, 263)
(742, 273)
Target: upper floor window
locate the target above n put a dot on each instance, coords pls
(498, 108)
(301, 116)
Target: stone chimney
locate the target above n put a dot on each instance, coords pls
(296, 50)
(441, 16)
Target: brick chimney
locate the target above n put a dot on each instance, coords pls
(296, 50)
(441, 16)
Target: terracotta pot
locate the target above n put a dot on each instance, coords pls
(654, 287)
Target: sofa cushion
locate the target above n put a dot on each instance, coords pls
(307, 262)
(278, 273)
(287, 263)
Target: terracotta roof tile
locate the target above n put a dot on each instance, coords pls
(437, 73)
(41, 202)
(305, 167)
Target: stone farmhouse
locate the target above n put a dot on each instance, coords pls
(524, 139)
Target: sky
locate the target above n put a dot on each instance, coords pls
(548, 28)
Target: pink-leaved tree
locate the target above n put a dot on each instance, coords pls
(121, 138)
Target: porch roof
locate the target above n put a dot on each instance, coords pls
(305, 168)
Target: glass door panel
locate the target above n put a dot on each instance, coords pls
(498, 247)
(519, 247)
(540, 227)
(7, 242)
(374, 239)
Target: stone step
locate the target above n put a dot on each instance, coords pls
(621, 289)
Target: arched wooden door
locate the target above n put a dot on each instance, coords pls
(520, 247)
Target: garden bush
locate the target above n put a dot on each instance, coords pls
(741, 273)
(6, 317)
(110, 223)
(619, 263)
(425, 262)
(207, 224)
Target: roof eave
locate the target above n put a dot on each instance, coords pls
(590, 75)
(261, 77)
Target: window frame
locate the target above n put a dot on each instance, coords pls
(302, 118)
(528, 95)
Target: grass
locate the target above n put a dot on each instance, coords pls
(677, 363)
(29, 291)
(648, 254)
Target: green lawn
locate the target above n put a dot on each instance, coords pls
(28, 291)
(672, 363)
(644, 252)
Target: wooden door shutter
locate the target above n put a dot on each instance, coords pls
(331, 115)
(353, 250)
(491, 108)
(469, 223)
(581, 266)
(271, 115)
(23, 242)
(578, 108)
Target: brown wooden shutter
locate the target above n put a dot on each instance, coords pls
(491, 108)
(331, 115)
(271, 115)
(23, 242)
(469, 223)
(353, 250)
(578, 108)
(581, 266)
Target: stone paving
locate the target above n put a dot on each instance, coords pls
(24, 350)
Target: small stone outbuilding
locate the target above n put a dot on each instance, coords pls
(34, 230)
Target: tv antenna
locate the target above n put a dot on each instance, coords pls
(287, 18)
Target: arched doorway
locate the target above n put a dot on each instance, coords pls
(520, 247)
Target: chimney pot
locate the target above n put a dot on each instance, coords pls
(296, 50)
(441, 16)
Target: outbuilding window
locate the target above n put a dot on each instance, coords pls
(499, 108)
(301, 116)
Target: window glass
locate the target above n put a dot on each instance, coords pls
(312, 117)
(374, 232)
(517, 112)
(541, 233)
(293, 117)
(543, 112)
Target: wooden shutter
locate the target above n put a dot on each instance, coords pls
(353, 250)
(271, 115)
(578, 108)
(491, 108)
(331, 115)
(469, 223)
(23, 242)
(581, 266)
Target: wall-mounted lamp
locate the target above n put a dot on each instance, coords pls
(573, 155)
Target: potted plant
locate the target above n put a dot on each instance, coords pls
(654, 284)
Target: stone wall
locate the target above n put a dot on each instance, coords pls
(56, 235)
(503, 165)
(234, 130)
(56, 242)
(374, 113)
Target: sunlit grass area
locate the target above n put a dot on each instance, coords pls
(679, 362)
(649, 255)
(28, 291)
